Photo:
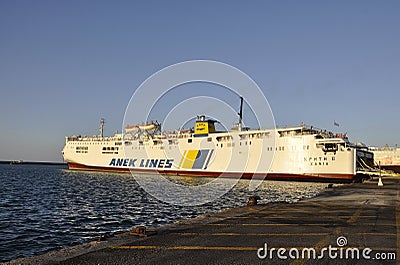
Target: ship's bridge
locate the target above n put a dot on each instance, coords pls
(310, 130)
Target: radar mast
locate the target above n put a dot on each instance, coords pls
(101, 127)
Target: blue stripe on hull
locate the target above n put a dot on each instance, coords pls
(200, 159)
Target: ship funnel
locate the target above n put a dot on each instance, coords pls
(204, 126)
(239, 127)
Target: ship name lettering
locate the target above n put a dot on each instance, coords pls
(318, 160)
(160, 163)
(168, 163)
(153, 162)
(122, 162)
(150, 163)
(132, 163)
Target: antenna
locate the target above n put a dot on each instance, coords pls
(240, 114)
(101, 127)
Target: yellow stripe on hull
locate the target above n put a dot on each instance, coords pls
(182, 159)
(190, 158)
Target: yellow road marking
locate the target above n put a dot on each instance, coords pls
(297, 224)
(225, 248)
(274, 234)
(398, 220)
(307, 212)
(323, 242)
(318, 246)
(189, 248)
(299, 217)
(354, 217)
(374, 234)
(398, 228)
(249, 234)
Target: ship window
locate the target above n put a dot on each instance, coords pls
(189, 140)
(81, 149)
(249, 142)
(221, 145)
(209, 139)
(330, 147)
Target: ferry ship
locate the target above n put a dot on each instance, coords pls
(387, 158)
(295, 153)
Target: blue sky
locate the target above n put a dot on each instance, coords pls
(66, 64)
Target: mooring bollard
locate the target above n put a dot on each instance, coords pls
(253, 200)
(139, 231)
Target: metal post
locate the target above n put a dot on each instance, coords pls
(380, 183)
(240, 114)
(101, 127)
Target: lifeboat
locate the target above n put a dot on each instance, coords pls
(148, 126)
(133, 128)
(341, 135)
(185, 131)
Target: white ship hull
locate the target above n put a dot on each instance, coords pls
(296, 153)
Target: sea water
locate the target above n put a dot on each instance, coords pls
(46, 208)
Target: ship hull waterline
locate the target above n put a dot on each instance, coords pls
(321, 177)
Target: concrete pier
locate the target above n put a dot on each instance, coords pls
(346, 224)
